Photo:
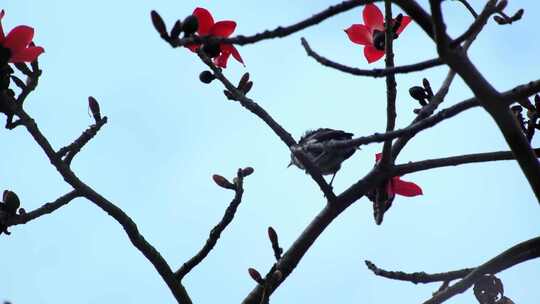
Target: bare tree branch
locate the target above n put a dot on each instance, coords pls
(374, 72)
(75, 147)
(455, 161)
(278, 32)
(43, 210)
(418, 277)
(215, 233)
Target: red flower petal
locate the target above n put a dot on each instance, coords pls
(206, 21)
(378, 157)
(359, 34)
(2, 36)
(221, 60)
(405, 188)
(19, 38)
(229, 48)
(223, 28)
(26, 55)
(372, 54)
(404, 22)
(373, 17)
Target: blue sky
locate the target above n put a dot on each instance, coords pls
(168, 133)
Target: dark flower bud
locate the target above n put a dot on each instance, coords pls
(243, 81)
(417, 93)
(518, 15)
(223, 182)
(255, 275)
(22, 211)
(247, 171)
(94, 108)
(397, 24)
(499, 19)
(12, 202)
(247, 87)
(191, 25)
(158, 23)
(229, 95)
(206, 77)
(176, 30)
(502, 5)
(272, 235)
(211, 49)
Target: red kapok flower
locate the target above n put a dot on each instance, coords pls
(16, 45)
(224, 28)
(371, 33)
(397, 186)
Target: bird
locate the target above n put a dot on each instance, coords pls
(327, 160)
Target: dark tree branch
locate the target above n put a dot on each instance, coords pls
(520, 253)
(469, 8)
(285, 136)
(153, 256)
(43, 210)
(386, 159)
(215, 233)
(455, 161)
(75, 147)
(278, 32)
(418, 277)
(439, 28)
(521, 91)
(374, 72)
(489, 9)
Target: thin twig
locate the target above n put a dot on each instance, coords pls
(469, 8)
(386, 159)
(75, 147)
(47, 208)
(215, 233)
(278, 32)
(478, 23)
(455, 161)
(418, 277)
(285, 136)
(519, 253)
(423, 65)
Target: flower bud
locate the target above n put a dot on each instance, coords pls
(158, 23)
(255, 275)
(206, 77)
(243, 81)
(191, 25)
(223, 182)
(272, 235)
(247, 171)
(12, 202)
(417, 93)
(94, 108)
(176, 30)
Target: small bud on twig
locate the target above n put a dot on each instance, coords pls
(12, 202)
(94, 108)
(255, 275)
(176, 30)
(158, 23)
(247, 171)
(223, 182)
(277, 275)
(206, 77)
(191, 25)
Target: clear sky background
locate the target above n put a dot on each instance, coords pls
(168, 133)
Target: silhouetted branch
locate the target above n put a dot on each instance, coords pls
(480, 21)
(285, 136)
(43, 210)
(469, 8)
(519, 253)
(455, 161)
(215, 233)
(75, 147)
(278, 32)
(418, 277)
(374, 72)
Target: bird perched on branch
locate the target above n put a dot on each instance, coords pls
(326, 159)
